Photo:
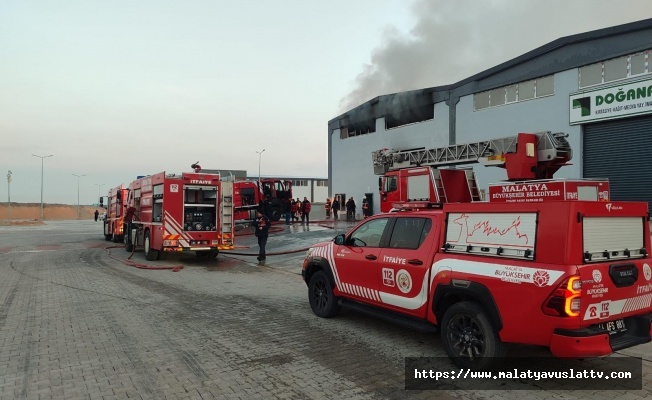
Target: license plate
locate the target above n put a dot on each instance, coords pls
(614, 327)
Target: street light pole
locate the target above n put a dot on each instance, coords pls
(260, 155)
(99, 185)
(9, 197)
(78, 178)
(42, 157)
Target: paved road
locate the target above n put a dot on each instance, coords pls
(76, 324)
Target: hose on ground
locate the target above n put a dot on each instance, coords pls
(278, 253)
(174, 268)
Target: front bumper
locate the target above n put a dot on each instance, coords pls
(595, 342)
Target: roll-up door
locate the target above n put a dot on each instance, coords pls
(621, 150)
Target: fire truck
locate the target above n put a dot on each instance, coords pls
(249, 195)
(115, 210)
(530, 160)
(179, 212)
(570, 271)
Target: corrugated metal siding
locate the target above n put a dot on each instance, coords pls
(621, 150)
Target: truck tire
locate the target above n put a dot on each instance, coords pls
(468, 336)
(320, 295)
(150, 254)
(107, 236)
(276, 214)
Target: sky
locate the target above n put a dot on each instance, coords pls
(113, 90)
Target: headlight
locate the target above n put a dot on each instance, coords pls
(309, 252)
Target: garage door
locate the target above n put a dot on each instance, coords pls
(621, 150)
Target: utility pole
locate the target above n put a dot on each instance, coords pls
(9, 197)
(99, 185)
(78, 178)
(260, 156)
(42, 157)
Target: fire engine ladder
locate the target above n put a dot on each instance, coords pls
(473, 185)
(439, 186)
(227, 212)
(550, 146)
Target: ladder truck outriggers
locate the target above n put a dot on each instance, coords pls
(179, 212)
(422, 176)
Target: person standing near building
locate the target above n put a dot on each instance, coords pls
(305, 208)
(336, 207)
(97, 215)
(327, 207)
(350, 210)
(287, 209)
(261, 230)
(295, 210)
(365, 208)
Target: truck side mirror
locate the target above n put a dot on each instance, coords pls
(339, 240)
(102, 201)
(380, 184)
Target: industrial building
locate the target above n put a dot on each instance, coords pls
(594, 86)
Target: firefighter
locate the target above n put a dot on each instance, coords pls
(266, 207)
(365, 208)
(295, 210)
(350, 210)
(305, 210)
(336, 207)
(261, 226)
(327, 207)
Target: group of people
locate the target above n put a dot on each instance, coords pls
(336, 205)
(295, 210)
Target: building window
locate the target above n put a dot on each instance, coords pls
(526, 90)
(540, 87)
(512, 93)
(591, 75)
(615, 69)
(299, 182)
(637, 64)
(481, 100)
(497, 97)
(322, 183)
(545, 86)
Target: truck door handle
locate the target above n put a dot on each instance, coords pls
(415, 262)
(370, 257)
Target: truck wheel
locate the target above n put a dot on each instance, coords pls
(150, 254)
(468, 337)
(276, 214)
(320, 295)
(107, 236)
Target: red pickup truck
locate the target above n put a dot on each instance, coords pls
(574, 276)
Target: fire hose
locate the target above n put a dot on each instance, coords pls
(129, 262)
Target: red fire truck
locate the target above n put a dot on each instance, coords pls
(248, 195)
(567, 271)
(530, 159)
(115, 210)
(173, 213)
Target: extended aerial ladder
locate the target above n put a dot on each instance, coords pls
(545, 151)
(424, 175)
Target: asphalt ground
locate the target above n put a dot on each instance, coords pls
(76, 323)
